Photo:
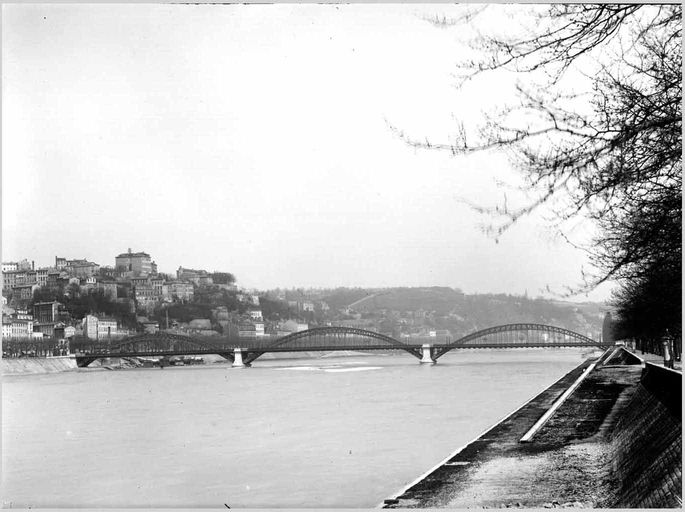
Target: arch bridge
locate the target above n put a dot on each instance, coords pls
(426, 349)
(521, 335)
(162, 344)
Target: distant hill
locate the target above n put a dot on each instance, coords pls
(448, 308)
(342, 297)
(442, 300)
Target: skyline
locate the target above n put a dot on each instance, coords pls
(256, 140)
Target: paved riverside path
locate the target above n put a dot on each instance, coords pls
(566, 464)
(657, 359)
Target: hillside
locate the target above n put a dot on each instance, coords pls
(401, 309)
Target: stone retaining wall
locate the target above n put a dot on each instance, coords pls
(36, 365)
(622, 356)
(646, 446)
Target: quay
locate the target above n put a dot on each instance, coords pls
(614, 442)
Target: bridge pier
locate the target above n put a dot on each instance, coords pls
(238, 358)
(427, 354)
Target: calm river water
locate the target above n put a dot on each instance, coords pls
(324, 432)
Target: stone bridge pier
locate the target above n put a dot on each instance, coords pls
(427, 354)
(238, 358)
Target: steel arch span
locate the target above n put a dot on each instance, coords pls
(332, 338)
(160, 342)
(157, 344)
(335, 337)
(521, 335)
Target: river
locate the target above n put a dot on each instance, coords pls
(324, 432)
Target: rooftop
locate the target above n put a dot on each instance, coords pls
(133, 255)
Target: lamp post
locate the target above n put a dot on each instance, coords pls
(666, 342)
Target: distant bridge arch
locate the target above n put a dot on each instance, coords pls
(161, 342)
(151, 344)
(332, 338)
(338, 336)
(520, 335)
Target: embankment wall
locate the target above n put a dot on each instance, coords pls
(34, 365)
(646, 446)
(620, 356)
(616, 442)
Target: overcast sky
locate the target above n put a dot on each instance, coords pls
(254, 139)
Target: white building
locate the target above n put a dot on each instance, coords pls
(180, 290)
(21, 329)
(23, 314)
(6, 330)
(99, 328)
(42, 276)
(9, 266)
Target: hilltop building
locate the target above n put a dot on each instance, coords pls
(180, 290)
(76, 268)
(82, 268)
(198, 277)
(133, 263)
(24, 292)
(42, 276)
(9, 266)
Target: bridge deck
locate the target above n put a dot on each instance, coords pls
(361, 348)
(336, 338)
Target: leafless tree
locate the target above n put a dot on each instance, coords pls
(614, 154)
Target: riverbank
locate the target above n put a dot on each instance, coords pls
(614, 442)
(42, 365)
(37, 365)
(59, 364)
